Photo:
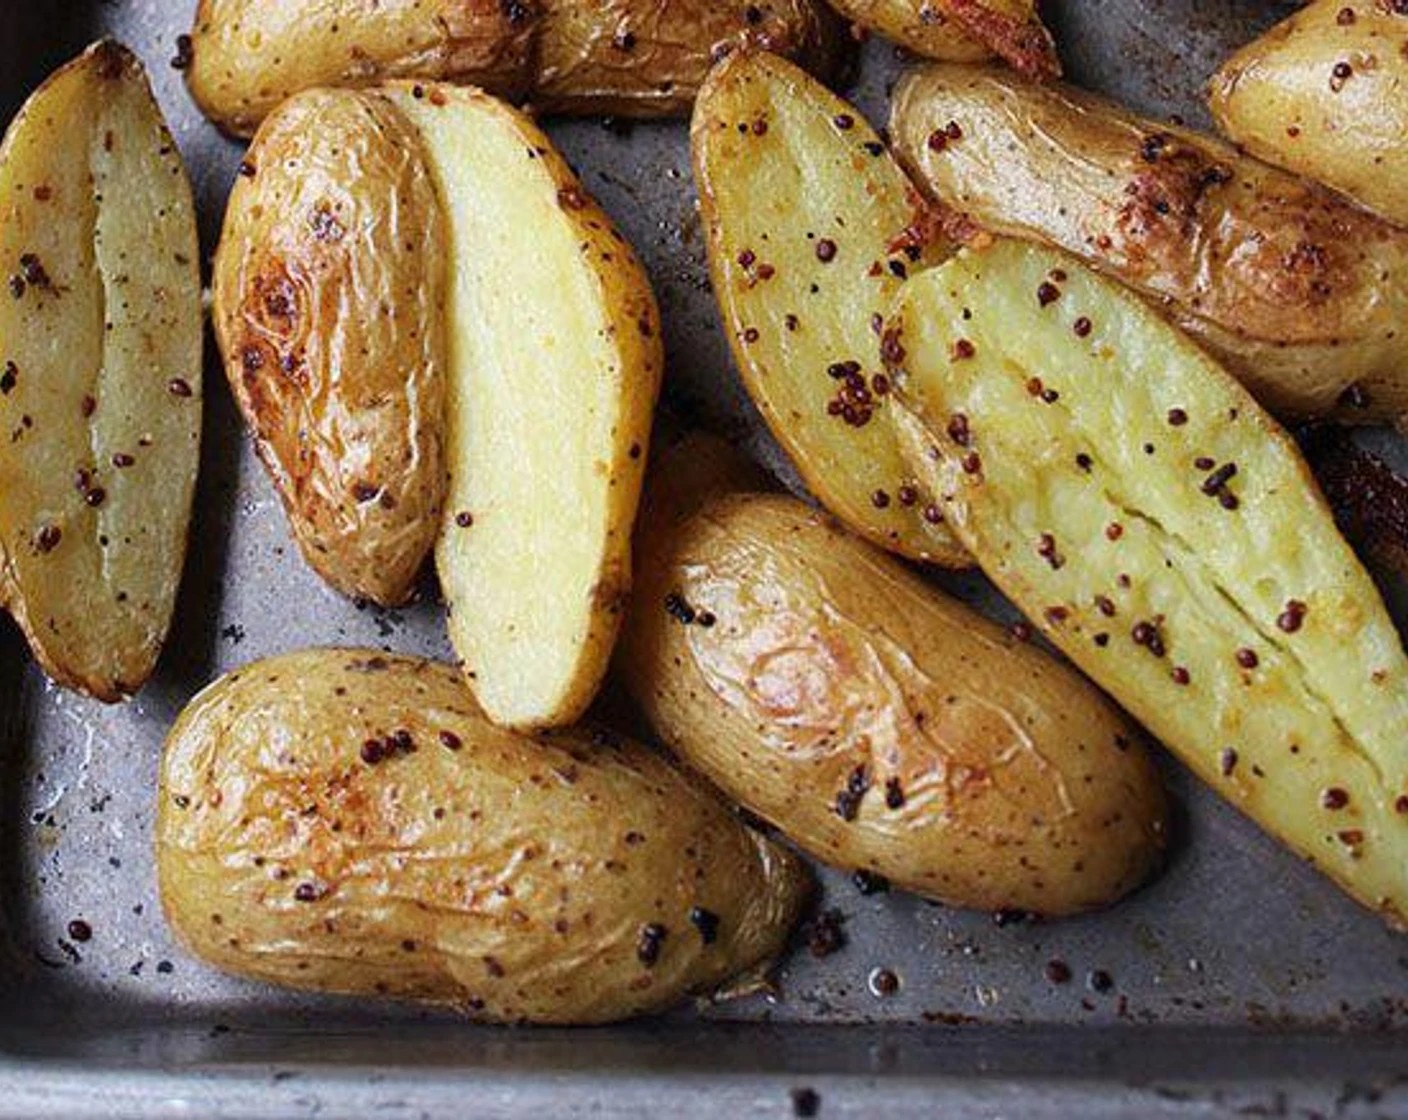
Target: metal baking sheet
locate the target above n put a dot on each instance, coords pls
(1240, 981)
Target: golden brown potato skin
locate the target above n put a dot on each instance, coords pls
(510, 877)
(1302, 295)
(877, 723)
(963, 30)
(627, 57)
(1325, 94)
(329, 310)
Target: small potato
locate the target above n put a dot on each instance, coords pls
(1302, 295)
(810, 224)
(100, 373)
(1325, 94)
(1165, 534)
(879, 724)
(348, 821)
(330, 287)
(963, 30)
(554, 360)
(624, 57)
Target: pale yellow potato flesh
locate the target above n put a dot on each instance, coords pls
(1084, 450)
(878, 723)
(1298, 292)
(349, 821)
(329, 308)
(963, 30)
(1325, 94)
(100, 373)
(787, 173)
(554, 360)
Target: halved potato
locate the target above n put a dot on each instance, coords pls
(348, 821)
(810, 225)
(555, 361)
(1164, 532)
(626, 57)
(330, 313)
(963, 30)
(878, 723)
(100, 373)
(1302, 295)
(1325, 94)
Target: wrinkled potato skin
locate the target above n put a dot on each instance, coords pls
(503, 875)
(329, 302)
(1300, 294)
(1280, 98)
(963, 30)
(996, 777)
(624, 57)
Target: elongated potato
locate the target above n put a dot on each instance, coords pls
(879, 724)
(347, 821)
(808, 220)
(100, 373)
(626, 57)
(963, 30)
(1325, 94)
(330, 313)
(1161, 529)
(554, 365)
(1302, 295)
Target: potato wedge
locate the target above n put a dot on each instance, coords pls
(348, 821)
(807, 222)
(100, 373)
(1325, 94)
(963, 30)
(1302, 295)
(329, 309)
(626, 57)
(555, 362)
(879, 724)
(1164, 532)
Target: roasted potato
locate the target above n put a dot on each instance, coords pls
(1303, 296)
(963, 30)
(879, 724)
(626, 57)
(349, 821)
(1325, 94)
(1166, 535)
(330, 288)
(809, 226)
(555, 360)
(100, 373)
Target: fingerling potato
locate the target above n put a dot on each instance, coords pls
(349, 821)
(554, 361)
(1166, 535)
(809, 226)
(625, 57)
(877, 723)
(329, 307)
(963, 30)
(1302, 295)
(100, 373)
(1325, 94)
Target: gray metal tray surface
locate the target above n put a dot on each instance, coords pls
(1240, 982)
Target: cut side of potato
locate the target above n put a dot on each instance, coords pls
(100, 373)
(810, 227)
(349, 821)
(878, 723)
(1302, 295)
(1166, 535)
(1325, 94)
(330, 313)
(555, 361)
